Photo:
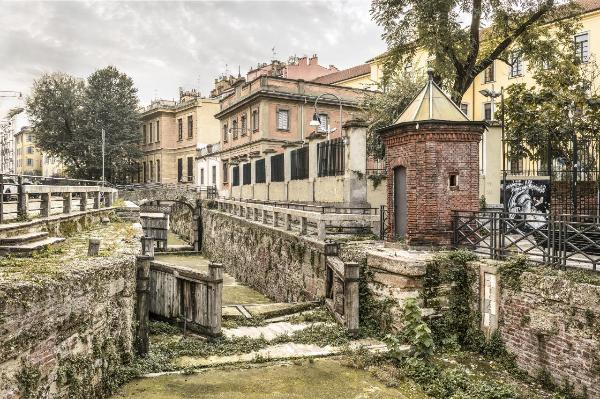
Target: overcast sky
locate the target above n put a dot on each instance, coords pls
(164, 45)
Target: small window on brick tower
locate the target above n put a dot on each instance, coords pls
(453, 181)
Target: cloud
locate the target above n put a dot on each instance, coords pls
(164, 45)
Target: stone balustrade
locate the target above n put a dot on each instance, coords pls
(297, 219)
(45, 200)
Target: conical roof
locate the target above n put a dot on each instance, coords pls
(432, 104)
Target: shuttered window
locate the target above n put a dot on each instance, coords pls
(277, 168)
(247, 173)
(299, 163)
(235, 175)
(259, 171)
(283, 119)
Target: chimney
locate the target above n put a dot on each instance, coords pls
(314, 60)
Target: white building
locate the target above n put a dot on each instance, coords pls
(208, 166)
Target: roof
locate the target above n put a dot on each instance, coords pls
(431, 104)
(586, 7)
(345, 74)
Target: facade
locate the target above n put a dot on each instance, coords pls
(208, 166)
(268, 149)
(295, 68)
(170, 134)
(28, 158)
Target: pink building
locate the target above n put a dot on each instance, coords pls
(296, 68)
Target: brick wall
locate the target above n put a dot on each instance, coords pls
(431, 152)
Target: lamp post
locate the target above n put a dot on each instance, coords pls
(316, 121)
(103, 152)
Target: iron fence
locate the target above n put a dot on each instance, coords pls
(331, 157)
(555, 240)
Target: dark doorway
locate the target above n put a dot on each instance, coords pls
(400, 207)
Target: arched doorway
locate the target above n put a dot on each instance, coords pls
(400, 206)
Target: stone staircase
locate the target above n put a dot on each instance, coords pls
(27, 243)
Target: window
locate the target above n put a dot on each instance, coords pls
(145, 172)
(299, 163)
(234, 128)
(330, 157)
(283, 119)
(255, 120)
(190, 121)
(516, 66)
(29, 138)
(157, 131)
(235, 176)
(277, 168)
(201, 177)
(179, 170)
(582, 47)
(453, 180)
(144, 134)
(225, 136)
(487, 111)
(29, 162)
(225, 172)
(516, 166)
(260, 171)
(151, 133)
(247, 173)
(151, 166)
(214, 175)
(190, 169)
(30, 150)
(464, 107)
(179, 129)
(324, 120)
(489, 74)
(158, 171)
(244, 123)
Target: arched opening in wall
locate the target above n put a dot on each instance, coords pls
(170, 223)
(400, 202)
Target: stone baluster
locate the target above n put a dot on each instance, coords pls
(215, 297)
(67, 202)
(45, 205)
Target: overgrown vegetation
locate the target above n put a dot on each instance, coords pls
(375, 314)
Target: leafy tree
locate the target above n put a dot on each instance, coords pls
(68, 114)
(563, 102)
(384, 106)
(459, 53)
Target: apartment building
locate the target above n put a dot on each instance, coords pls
(171, 131)
(28, 158)
(266, 135)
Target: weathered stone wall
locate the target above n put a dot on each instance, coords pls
(65, 331)
(181, 220)
(551, 322)
(278, 263)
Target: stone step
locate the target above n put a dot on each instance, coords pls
(23, 238)
(268, 332)
(28, 248)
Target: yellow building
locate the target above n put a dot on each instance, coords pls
(474, 104)
(170, 133)
(28, 158)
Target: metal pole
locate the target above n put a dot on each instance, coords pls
(504, 200)
(103, 143)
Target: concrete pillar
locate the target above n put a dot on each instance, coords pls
(45, 205)
(287, 220)
(143, 304)
(83, 202)
(355, 188)
(351, 279)
(67, 202)
(215, 297)
(275, 216)
(94, 246)
(303, 225)
(97, 197)
(23, 206)
(264, 216)
(108, 199)
(312, 157)
(321, 229)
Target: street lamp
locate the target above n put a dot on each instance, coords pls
(316, 121)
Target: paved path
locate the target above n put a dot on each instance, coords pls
(268, 332)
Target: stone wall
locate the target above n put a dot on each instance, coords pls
(280, 264)
(67, 326)
(181, 220)
(550, 321)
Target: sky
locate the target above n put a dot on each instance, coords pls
(165, 45)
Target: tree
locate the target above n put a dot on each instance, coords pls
(68, 114)
(563, 103)
(460, 53)
(384, 106)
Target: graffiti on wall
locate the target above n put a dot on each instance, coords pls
(528, 200)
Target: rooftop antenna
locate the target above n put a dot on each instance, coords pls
(239, 71)
(274, 53)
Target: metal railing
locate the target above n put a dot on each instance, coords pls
(560, 241)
